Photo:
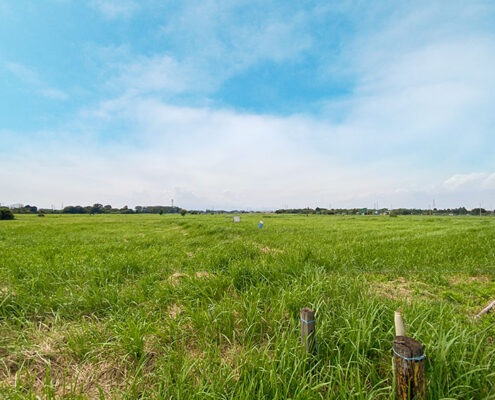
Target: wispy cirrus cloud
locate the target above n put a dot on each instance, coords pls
(471, 181)
(115, 8)
(31, 78)
(158, 74)
(208, 44)
(460, 181)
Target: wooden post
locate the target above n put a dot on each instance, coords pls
(409, 365)
(486, 309)
(308, 329)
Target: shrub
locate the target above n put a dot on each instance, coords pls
(5, 213)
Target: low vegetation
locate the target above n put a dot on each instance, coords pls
(195, 307)
(6, 214)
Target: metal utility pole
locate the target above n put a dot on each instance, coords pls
(172, 200)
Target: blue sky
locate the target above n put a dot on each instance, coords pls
(247, 104)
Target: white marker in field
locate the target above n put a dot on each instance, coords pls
(237, 218)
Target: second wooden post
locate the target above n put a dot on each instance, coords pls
(308, 329)
(409, 366)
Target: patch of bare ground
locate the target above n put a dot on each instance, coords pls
(459, 279)
(5, 291)
(47, 363)
(397, 289)
(231, 240)
(175, 310)
(231, 357)
(267, 250)
(151, 345)
(190, 254)
(175, 278)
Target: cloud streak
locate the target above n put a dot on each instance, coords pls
(31, 78)
(218, 158)
(113, 9)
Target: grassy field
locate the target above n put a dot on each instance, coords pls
(197, 307)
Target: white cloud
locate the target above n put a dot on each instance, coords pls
(52, 93)
(460, 181)
(489, 182)
(201, 158)
(237, 33)
(210, 42)
(31, 78)
(115, 8)
(157, 74)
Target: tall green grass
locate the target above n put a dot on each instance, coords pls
(195, 307)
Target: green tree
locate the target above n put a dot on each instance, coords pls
(97, 209)
(5, 214)
(183, 212)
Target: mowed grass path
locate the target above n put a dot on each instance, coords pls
(197, 307)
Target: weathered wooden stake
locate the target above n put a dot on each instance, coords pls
(308, 329)
(409, 365)
(487, 309)
(400, 328)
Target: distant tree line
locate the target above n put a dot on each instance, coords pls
(98, 209)
(386, 211)
(25, 210)
(108, 209)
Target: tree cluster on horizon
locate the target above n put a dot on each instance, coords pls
(108, 209)
(386, 211)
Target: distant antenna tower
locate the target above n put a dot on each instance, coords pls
(172, 203)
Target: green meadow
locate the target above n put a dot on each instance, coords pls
(198, 307)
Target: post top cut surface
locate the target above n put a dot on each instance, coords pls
(408, 347)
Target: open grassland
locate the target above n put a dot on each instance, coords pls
(197, 307)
